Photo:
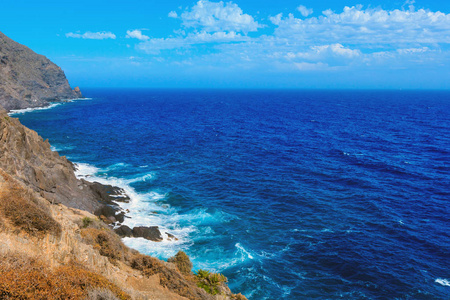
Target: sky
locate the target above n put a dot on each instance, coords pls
(304, 44)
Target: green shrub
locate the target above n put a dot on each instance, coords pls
(87, 222)
(210, 281)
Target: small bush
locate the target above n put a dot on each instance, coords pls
(107, 242)
(183, 263)
(86, 222)
(210, 281)
(238, 297)
(21, 207)
(170, 279)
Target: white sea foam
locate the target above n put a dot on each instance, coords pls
(145, 211)
(52, 105)
(59, 148)
(444, 282)
(26, 110)
(218, 259)
(83, 170)
(243, 251)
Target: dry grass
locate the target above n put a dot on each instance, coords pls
(28, 278)
(24, 210)
(106, 241)
(171, 279)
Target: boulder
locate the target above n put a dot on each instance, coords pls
(171, 237)
(150, 233)
(124, 231)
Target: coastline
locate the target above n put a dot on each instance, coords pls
(50, 105)
(176, 238)
(91, 240)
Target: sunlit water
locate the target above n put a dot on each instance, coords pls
(290, 194)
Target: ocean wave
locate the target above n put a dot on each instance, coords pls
(27, 110)
(52, 105)
(444, 282)
(145, 210)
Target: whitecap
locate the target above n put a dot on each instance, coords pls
(27, 110)
(243, 251)
(444, 282)
(83, 170)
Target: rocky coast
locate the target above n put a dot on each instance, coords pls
(60, 235)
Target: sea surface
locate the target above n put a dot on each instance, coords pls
(290, 194)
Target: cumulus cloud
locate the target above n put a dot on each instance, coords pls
(367, 26)
(216, 33)
(136, 34)
(305, 11)
(173, 14)
(218, 16)
(325, 52)
(92, 35)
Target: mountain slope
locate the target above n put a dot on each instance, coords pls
(28, 79)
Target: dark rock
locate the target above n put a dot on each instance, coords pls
(171, 237)
(120, 217)
(149, 233)
(107, 193)
(106, 210)
(124, 231)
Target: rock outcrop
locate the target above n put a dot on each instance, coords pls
(28, 79)
(28, 158)
(151, 233)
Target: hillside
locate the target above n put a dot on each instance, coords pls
(28, 79)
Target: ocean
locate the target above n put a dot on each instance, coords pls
(292, 194)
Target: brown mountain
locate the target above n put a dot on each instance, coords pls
(28, 79)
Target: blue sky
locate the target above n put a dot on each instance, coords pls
(239, 44)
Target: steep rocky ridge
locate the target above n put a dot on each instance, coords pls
(28, 79)
(27, 157)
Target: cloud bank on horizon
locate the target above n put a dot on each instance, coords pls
(220, 36)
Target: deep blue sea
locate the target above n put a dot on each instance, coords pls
(290, 194)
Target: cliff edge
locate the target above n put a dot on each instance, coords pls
(28, 79)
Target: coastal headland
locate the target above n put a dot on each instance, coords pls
(56, 230)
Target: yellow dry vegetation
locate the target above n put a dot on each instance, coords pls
(24, 210)
(29, 278)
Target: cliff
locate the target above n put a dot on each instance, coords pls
(28, 158)
(28, 79)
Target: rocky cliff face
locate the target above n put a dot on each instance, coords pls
(28, 158)
(28, 79)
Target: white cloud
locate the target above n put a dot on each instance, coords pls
(324, 52)
(413, 50)
(305, 11)
(356, 25)
(154, 46)
(136, 34)
(219, 16)
(173, 14)
(92, 35)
